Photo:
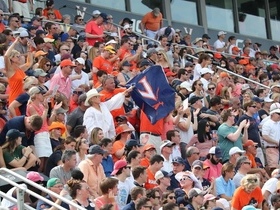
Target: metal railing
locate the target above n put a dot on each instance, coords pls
(232, 73)
(22, 190)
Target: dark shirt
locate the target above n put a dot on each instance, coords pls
(108, 165)
(52, 161)
(75, 50)
(253, 130)
(43, 205)
(22, 99)
(75, 118)
(55, 143)
(17, 123)
(174, 184)
(130, 206)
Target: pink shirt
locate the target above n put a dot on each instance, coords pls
(39, 109)
(213, 172)
(64, 84)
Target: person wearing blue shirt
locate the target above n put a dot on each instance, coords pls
(224, 184)
(107, 160)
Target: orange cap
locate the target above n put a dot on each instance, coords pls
(56, 125)
(39, 53)
(66, 62)
(224, 74)
(243, 62)
(148, 147)
(218, 55)
(123, 128)
(235, 49)
(249, 143)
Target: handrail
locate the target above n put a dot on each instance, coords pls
(230, 72)
(43, 189)
(4, 195)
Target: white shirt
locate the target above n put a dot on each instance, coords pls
(176, 152)
(196, 71)
(123, 192)
(77, 82)
(219, 44)
(271, 129)
(167, 164)
(270, 186)
(103, 119)
(205, 83)
(185, 135)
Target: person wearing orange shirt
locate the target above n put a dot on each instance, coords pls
(151, 23)
(156, 163)
(15, 71)
(94, 29)
(148, 151)
(2, 26)
(224, 82)
(123, 134)
(50, 6)
(109, 90)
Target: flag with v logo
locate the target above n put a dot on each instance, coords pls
(152, 93)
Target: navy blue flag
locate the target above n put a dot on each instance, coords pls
(152, 93)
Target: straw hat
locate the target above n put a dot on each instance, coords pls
(90, 94)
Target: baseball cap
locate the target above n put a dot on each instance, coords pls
(194, 99)
(36, 17)
(218, 55)
(274, 106)
(245, 86)
(118, 165)
(224, 74)
(13, 134)
(156, 11)
(81, 38)
(52, 182)
(166, 143)
(249, 143)
(198, 39)
(148, 147)
(80, 60)
(232, 60)
(111, 42)
(179, 160)
(160, 174)
(126, 63)
(132, 143)
(235, 150)
(257, 100)
(66, 62)
(39, 72)
(24, 33)
(249, 207)
(195, 192)
(127, 26)
(209, 197)
(110, 48)
(60, 111)
(49, 3)
(222, 33)
(177, 30)
(48, 40)
(186, 85)
(235, 49)
(123, 128)
(34, 176)
(95, 149)
(39, 32)
(205, 71)
(188, 64)
(35, 90)
(190, 175)
(206, 36)
(216, 151)
(96, 13)
(199, 163)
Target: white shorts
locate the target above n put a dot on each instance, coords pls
(42, 144)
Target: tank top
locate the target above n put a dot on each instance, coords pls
(39, 109)
(89, 207)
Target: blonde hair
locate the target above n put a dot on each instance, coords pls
(28, 82)
(14, 53)
(274, 97)
(248, 181)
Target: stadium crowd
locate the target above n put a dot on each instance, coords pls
(66, 112)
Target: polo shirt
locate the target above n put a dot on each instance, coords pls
(17, 123)
(94, 29)
(76, 117)
(108, 165)
(63, 82)
(223, 187)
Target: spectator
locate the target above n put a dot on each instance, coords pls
(92, 169)
(195, 197)
(149, 151)
(136, 193)
(156, 163)
(63, 172)
(50, 7)
(140, 176)
(213, 161)
(219, 44)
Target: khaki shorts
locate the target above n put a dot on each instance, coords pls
(272, 157)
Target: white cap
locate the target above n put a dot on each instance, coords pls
(222, 33)
(245, 86)
(81, 61)
(186, 85)
(166, 143)
(274, 106)
(177, 30)
(180, 175)
(96, 13)
(205, 71)
(114, 34)
(24, 34)
(268, 100)
(235, 150)
(197, 40)
(111, 42)
(126, 26)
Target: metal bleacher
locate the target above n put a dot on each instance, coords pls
(12, 178)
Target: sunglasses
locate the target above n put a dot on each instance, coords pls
(85, 142)
(129, 167)
(51, 14)
(80, 19)
(159, 54)
(252, 180)
(253, 106)
(66, 49)
(211, 88)
(197, 168)
(78, 92)
(185, 178)
(248, 163)
(171, 197)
